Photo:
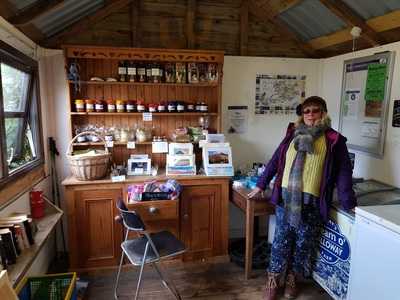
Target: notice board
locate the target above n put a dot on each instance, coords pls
(365, 101)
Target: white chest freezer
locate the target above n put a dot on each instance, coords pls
(334, 257)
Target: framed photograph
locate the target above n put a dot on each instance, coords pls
(217, 160)
(180, 148)
(139, 166)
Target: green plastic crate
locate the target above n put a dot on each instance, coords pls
(48, 287)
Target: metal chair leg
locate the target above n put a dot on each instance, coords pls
(141, 271)
(169, 285)
(118, 274)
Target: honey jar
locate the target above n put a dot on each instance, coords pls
(90, 105)
(99, 106)
(120, 104)
(110, 105)
(80, 105)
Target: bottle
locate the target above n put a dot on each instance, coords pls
(149, 67)
(131, 71)
(122, 71)
(141, 72)
(155, 73)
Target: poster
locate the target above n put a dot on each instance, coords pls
(279, 94)
(351, 103)
(238, 117)
(396, 113)
(375, 86)
(370, 129)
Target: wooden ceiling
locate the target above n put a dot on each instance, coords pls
(239, 27)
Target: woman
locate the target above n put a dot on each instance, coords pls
(309, 162)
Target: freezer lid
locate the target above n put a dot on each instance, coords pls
(387, 216)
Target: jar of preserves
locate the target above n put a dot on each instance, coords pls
(171, 106)
(90, 105)
(197, 107)
(153, 107)
(141, 107)
(190, 107)
(180, 106)
(130, 106)
(79, 105)
(203, 107)
(161, 107)
(99, 106)
(120, 105)
(110, 105)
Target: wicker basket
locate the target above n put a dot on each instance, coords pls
(88, 167)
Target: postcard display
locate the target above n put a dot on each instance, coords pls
(180, 159)
(217, 159)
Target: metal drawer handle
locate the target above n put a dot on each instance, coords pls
(153, 209)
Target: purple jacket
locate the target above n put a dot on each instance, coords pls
(337, 171)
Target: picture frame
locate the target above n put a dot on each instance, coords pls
(217, 159)
(181, 164)
(180, 149)
(139, 166)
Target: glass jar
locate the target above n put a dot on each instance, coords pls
(153, 107)
(190, 107)
(180, 106)
(141, 107)
(79, 105)
(123, 135)
(203, 107)
(197, 107)
(120, 104)
(171, 106)
(99, 106)
(161, 107)
(109, 134)
(130, 106)
(110, 105)
(90, 105)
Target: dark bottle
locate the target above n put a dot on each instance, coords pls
(132, 72)
(149, 67)
(155, 73)
(122, 70)
(141, 72)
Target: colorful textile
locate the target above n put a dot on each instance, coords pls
(294, 249)
(313, 167)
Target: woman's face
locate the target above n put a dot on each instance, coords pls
(311, 115)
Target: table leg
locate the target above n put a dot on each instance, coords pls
(249, 238)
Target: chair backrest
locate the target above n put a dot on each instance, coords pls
(132, 220)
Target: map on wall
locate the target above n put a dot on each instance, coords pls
(279, 94)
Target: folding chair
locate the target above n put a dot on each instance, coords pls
(149, 248)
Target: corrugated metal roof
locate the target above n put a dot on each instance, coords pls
(371, 8)
(21, 4)
(66, 14)
(311, 19)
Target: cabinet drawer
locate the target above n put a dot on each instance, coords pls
(156, 210)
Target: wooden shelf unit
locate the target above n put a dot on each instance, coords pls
(103, 62)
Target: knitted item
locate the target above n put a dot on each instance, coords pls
(303, 140)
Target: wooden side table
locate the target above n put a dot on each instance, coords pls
(253, 207)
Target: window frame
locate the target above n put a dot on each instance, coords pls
(20, 61)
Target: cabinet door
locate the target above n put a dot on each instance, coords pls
(200, 211)
(98, 235)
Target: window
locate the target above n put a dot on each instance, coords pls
(20, 131)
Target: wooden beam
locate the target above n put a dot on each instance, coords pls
(190, 23)
(265, 13)
(7, 10)
(379, 24)
(244, 27)
(84, 23)
(351, 18)
(279, 6)
(135, 23)
(32, 12)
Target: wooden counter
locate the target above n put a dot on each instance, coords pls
(200, 221)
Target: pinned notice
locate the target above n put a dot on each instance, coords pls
(375, 86)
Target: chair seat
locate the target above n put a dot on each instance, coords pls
(165, 242)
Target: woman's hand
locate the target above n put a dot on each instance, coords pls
(254, 192)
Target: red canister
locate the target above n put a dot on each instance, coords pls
(37, 204)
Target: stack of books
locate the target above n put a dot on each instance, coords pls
(16, 234)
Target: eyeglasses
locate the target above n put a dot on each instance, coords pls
(309, 110)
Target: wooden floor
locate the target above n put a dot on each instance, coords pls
(200, 281)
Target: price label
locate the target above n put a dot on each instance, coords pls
(118, 178)
(147, 116)
(109, 144)
(131, 145)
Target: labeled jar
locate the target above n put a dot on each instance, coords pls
(99, 106)
(110, 105)
(90, 105)
(190, 107)
(180, 106)
(79, 105)
(203, 107)
(171, 106)
(141, 107)
(123, 135)
(153, 107)
(161, 107)
(120, 105)
(130, 106)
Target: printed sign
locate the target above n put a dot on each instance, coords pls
(334, 245)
